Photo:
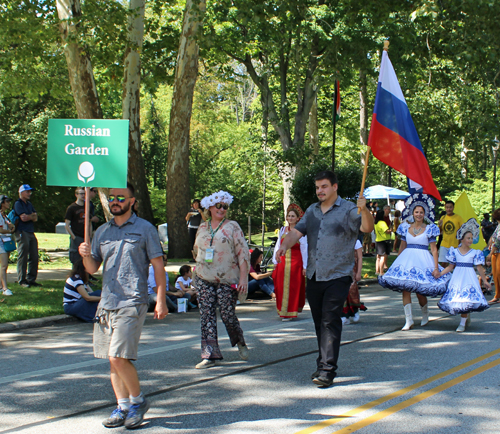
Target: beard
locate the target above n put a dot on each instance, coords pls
(122, 211)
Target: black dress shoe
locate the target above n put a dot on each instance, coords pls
(323, 381)
(314, 375)
(34, 284)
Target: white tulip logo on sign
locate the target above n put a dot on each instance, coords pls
(86, 172)
(88, 152)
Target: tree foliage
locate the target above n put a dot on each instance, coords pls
(446, 55)
(304, 189)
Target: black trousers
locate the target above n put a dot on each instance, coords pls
(192, 236)
(326, 300)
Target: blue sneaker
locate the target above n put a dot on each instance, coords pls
(136, 414)
(117, 418)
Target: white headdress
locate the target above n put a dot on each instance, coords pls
(419, 199)
(219, 197)
(471, 226)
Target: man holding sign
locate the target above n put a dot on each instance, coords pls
(125, 246)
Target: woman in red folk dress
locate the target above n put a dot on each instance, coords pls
(289, 275)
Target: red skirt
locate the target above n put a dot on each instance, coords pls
(290, 284)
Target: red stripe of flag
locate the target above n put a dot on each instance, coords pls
(393, 137)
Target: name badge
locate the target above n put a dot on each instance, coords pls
(209, 255)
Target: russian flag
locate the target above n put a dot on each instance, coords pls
(393, 137)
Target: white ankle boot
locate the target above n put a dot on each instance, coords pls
(463, 324)
(409, 317)
(425, 315)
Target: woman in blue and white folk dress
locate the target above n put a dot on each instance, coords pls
(464, 294)
(415, 269)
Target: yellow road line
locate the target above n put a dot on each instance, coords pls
(416, 399)
(397, 393)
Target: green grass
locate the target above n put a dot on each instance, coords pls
(53, 264)
(27, 303)
(368, 269)
(56, 263)
(257, 238)
(52, 241)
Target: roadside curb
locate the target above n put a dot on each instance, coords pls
(36, 322)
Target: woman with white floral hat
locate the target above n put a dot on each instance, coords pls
(415, 269)
(222, 265)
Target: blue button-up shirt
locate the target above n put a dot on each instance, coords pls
(125, 252)
(331, 238)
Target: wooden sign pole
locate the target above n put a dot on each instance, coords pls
(87, 215)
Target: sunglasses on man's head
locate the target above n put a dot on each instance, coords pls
(119, 198)
(222, 205)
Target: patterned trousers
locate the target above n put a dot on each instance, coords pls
(211, 295)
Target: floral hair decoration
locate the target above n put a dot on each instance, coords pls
(419, 199)
(296, 208)
(214, 198)
(471, 226)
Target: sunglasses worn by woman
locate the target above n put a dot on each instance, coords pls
(221, 273)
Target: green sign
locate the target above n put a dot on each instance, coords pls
(87, 152)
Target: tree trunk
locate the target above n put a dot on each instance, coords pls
(178, 196)
(287, 172)
(264, 132)
(81, 76)
(131, 107)
(313, 127)
(363, 113)
(103, 197)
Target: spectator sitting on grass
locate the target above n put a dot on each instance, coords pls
(258, 280)
(78, 300)
(183, 284)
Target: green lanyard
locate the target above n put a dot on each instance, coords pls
(212, 232)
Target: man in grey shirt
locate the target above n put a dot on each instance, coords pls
(125, 246)
(332, 227)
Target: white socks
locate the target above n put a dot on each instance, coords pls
(136, 399)
(463, 321)
(124, 404)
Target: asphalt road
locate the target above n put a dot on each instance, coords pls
(427, 380)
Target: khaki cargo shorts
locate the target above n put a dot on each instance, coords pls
(118, 332)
